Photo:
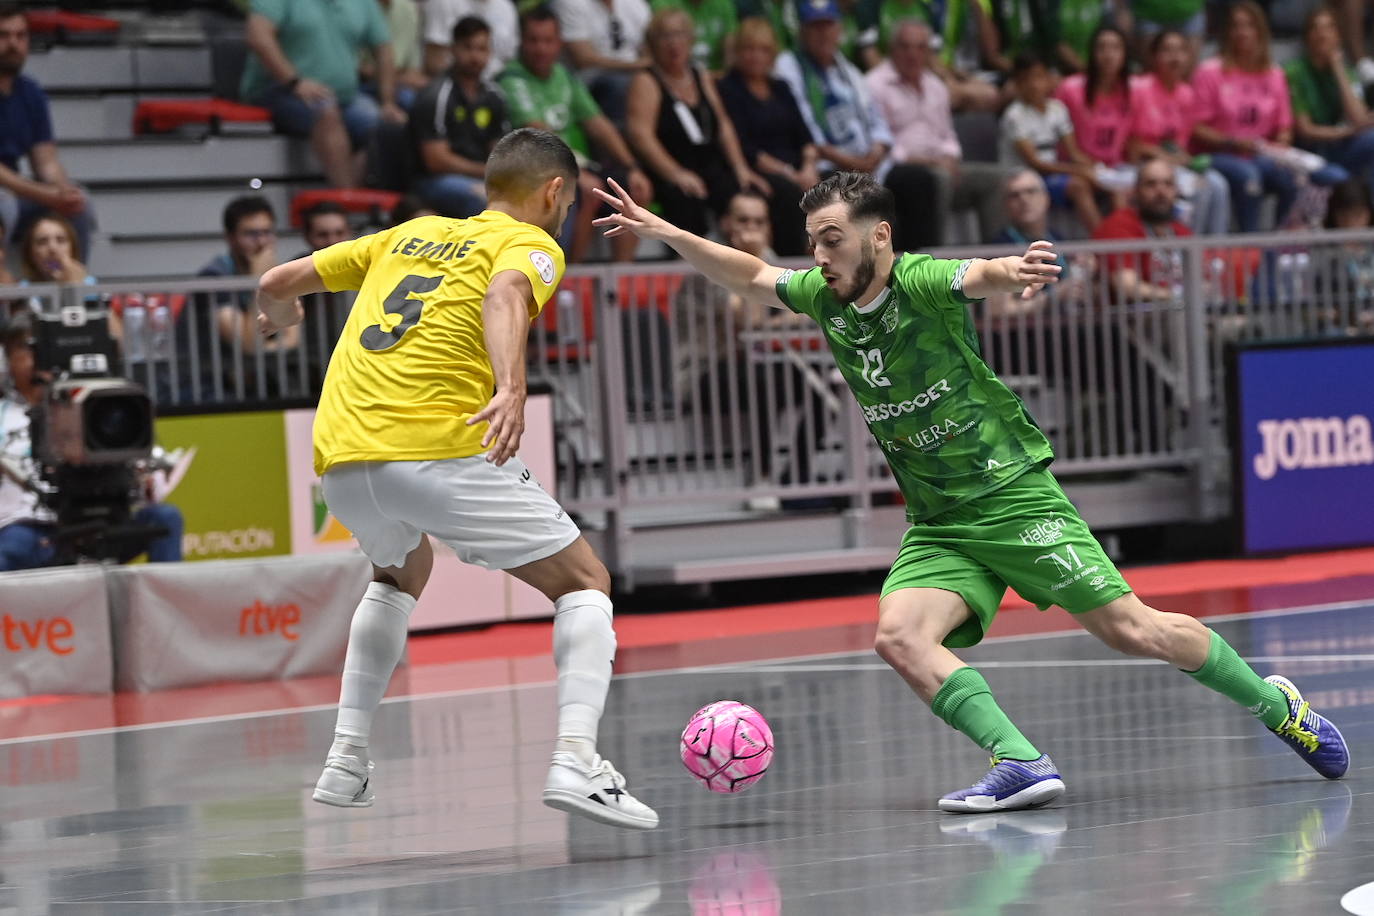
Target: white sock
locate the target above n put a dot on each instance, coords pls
(583, 649)
(375, 643)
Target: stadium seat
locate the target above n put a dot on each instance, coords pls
(72, 28)
(377, 204)
(164, 115)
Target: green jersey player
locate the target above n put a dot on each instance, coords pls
(985, 512)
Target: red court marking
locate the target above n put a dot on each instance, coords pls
(508, 655)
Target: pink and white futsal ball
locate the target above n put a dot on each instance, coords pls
(727, 746)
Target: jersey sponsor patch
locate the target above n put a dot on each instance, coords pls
(544, 264)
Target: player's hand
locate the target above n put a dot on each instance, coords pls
(629, 216)
(267, 327)
(505, 416)
(1037, 269)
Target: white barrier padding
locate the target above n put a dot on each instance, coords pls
(54, 632)
(182, 624)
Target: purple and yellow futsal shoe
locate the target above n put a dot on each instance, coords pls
(1010, 785)
(1312, 735)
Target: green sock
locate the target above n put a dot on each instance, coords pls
(965, 703)
(1229, 675)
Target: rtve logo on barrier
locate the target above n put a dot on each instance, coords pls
(55, 634)
(260, 619)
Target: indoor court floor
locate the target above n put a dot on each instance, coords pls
(1177, 801)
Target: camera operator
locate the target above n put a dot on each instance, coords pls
(27, 527)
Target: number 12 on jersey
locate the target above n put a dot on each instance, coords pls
(873, 369)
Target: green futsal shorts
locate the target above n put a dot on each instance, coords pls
(1026, 535)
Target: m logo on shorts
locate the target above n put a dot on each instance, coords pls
(544, 264)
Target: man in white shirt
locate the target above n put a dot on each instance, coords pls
(849, 130)
(442, 15)
(605, 40)
(916, 104)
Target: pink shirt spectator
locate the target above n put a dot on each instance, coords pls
(921, 121)
(1161, 117)
(1102, 130)
(1248, 106)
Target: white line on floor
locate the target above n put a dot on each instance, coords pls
(1037, 663)
(772, 664)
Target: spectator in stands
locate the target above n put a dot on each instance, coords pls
(456, 121)
(51, 253)
(542, 92)
(403, 22)
(847, 127)
(304, 68)
(1246, 121)
(1344, 274)
(679, 128)
(605, 40)
(1037, 132)
(1157, 275)
(27, 527)
(1329, 113)
(325, 224)
(1027, 204)
(1163, 114)
(916, 104)
(716, 22)
(26, 132)
(952, 25)
(442, 15)
(776, 142)
(1099, 104)
(409, 207)
(1058, 32)
(230, 318)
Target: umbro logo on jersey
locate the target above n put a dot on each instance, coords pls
(838, 322)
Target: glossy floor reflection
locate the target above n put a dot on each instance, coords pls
(1177, 801)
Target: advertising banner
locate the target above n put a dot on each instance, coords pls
(234, 494)
(1302, 444)
(54, 632)
(178, 624)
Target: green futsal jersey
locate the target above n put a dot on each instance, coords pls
(950, 430)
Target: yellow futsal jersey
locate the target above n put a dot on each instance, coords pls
(411, 366)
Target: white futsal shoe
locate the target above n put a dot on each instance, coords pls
(345, 783)
(596, 791)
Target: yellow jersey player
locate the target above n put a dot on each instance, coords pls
(410, 440)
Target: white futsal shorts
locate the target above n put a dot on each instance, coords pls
(497, 517)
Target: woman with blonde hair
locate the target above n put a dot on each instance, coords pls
(1245, 119)
(679, 129)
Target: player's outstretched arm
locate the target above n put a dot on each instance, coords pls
(1026, 274)
(279, 292)
(737, 271)
(506, 311)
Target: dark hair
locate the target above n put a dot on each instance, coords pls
(407, 207)
(1161, 36)
(747, 194)
(469, 26)
(323, 208)
(524, 159)
(866, 198)
(1025, 62)
(28, 265)
(10, 10)
(541, 13)
(242, 207)
(1348, 195)
(1321, 9)
(1094, 71)
(19, 332)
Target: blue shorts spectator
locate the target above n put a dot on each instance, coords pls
(294, 116)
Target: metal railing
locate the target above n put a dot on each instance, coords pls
(673, 402)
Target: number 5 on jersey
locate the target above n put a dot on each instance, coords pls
(873, 369)
(400, 303)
